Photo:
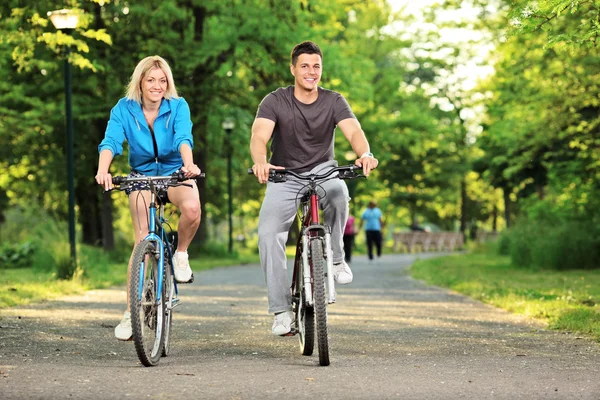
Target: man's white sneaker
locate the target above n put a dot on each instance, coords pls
(123, 330)
(283, 323)
(181, 267)
(342, 273)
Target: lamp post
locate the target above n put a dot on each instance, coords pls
(228, 126)
(65, 21)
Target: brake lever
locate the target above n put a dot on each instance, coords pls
(350, 175)
(277, 177)
(120, 188)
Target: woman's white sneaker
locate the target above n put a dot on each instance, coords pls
(181, 268)
(123, 330)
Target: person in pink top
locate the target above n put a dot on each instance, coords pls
(349, 233)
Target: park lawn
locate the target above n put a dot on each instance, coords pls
(565, 300)
(28, 285)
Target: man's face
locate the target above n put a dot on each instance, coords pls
(307, 71)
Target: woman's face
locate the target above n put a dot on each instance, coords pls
(154, 86)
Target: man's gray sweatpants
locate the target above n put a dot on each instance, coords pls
(276, 216)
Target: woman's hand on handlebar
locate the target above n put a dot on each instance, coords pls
(104, 179)
(191, 171)
(261, 171)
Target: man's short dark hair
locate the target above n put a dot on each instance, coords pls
(305, 48)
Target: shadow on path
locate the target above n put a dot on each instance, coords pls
(390, 337)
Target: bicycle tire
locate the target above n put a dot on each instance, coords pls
(320, 301)
(305, 315)
(168, 294)
(147, 315)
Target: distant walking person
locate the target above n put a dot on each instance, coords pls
(372, 216)
(349, 233)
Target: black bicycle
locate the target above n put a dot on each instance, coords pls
(312, 282)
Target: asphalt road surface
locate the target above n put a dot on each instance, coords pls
(391, 337)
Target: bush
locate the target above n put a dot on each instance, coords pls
(16, 255)
(560, 244)
(503, 244)
(216, 249)
(572, 245)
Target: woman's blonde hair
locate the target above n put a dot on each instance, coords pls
(134, 88)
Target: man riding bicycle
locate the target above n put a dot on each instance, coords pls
(301, 121)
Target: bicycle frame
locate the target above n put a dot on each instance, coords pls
(313, 230)
(154, 230)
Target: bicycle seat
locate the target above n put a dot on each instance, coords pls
(162, 197)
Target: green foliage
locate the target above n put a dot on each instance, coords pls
(215, 249)
(540, 134)
(566, 300)
(550, 16)
(546, 239)
(16, 255)
(503, 244)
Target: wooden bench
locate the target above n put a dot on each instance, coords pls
(427, 241)
(483, 236)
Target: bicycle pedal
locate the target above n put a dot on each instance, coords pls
(175, 302)
(184, 283)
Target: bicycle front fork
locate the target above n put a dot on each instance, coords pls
(329, 258)
(306, 272)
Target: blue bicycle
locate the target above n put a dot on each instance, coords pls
(152, 288)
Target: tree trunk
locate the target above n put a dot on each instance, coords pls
(200, 159)
(507, 207)
(541, 191)
(463, 207)
(198, 108)
(108, 232)
(495, 219)
(89, 215)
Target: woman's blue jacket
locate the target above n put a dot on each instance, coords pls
(172, 128)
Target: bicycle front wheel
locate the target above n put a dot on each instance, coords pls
(320, 301)
(305, 316)
(147, 312)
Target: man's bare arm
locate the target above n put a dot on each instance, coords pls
(262, 130)
(353, 132)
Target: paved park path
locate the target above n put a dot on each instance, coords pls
(391, 337)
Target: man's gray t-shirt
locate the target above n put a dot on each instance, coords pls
(304, 133)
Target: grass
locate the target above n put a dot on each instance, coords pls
(29, 285)
(566, 300)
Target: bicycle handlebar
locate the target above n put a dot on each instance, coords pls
(174, 178)
(345, 172)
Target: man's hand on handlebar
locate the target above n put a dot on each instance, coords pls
(261, 171)
(367, 163)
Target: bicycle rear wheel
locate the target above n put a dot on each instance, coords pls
(168, 295)
(320, 301)
(147, 313)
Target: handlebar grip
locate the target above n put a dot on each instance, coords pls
(118, 180)
(180, 176)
